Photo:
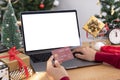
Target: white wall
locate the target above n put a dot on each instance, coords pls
(85, 9)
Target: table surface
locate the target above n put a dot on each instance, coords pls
(98, 72)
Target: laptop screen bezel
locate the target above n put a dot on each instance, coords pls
(42, 12)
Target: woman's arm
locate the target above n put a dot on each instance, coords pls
(110, 58)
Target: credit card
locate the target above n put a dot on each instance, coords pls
(62, 54)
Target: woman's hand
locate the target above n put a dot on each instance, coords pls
(56, 71)
(87, 53)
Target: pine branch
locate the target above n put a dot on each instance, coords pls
(117, 5)
(110, 11)
(107, 2)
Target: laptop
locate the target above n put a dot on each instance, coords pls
(44, 31)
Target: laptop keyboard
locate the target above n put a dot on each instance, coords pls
(42, 57)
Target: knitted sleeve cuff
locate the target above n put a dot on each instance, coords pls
(65, 78)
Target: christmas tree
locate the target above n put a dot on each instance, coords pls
(110, 11)
(10, 33)
(31, 5)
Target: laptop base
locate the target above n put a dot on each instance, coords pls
(71, 64)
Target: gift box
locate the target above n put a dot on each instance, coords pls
(20, 74)
(93, 26)
(4, 72)
(13, 64)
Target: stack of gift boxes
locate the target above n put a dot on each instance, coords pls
(18, 64)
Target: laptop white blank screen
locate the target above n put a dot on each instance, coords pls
(50, 30)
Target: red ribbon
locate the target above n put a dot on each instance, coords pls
(12, 54)
(110, 49)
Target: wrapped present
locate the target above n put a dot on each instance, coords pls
(4, 72)
(15, 60)
(93, 26)
(20, 75)
(13, 65)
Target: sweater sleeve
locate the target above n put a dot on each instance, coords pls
(110, 58)
(65, 78)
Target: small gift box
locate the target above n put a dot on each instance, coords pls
(93, 26)
(4, 72)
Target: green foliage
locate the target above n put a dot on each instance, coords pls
(110, 10)
(29, 5)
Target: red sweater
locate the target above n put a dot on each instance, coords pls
(110, 55)
(110, 58)
(65, 78)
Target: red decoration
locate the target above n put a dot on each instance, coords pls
(12, 54)
(41, 6)
(106, 26)
(117, 20)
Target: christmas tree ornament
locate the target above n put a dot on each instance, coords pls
(112, 10)
(100, 14)
(106, 28)
(12, 14)
(56, 3)
(117, 20)
(42, 4)
(98, 3)
(104, 31)
(7, 25)
(98, 45)
(8, 39)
